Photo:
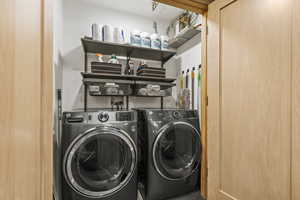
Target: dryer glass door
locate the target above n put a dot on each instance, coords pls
(101, 162)
(177, 151)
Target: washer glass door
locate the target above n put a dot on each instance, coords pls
(177, 150)
(101, 162)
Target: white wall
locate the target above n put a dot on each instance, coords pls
(188, 56)
(57, 29)
(77, 19)
(58, 39)
(190, 53)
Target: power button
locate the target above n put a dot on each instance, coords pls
(103, 117)
(176, 115)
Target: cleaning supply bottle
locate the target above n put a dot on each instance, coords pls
(135, 38)
(113, 59)
(99, 57)
(155, 41)
(164, 42)
(129, 68)
(145, 40)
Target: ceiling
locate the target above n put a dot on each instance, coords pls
(140, 7)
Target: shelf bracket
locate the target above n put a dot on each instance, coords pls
(85, 97)
(129, 53)
(162, 98)
(85, 85)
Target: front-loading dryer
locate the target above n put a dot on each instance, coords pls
(99, 155)
(170, 146)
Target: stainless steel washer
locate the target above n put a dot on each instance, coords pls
(99, 155)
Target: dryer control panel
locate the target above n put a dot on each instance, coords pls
(159, 118)
(168, 115)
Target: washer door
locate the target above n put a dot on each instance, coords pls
(100, 162)
(177, 151)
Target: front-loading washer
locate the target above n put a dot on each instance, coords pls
(170, 149)
(99, 155)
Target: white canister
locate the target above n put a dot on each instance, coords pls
(155, 41)
(145, 40)
(164, 42)
(97, 32)
(107, 33)
(135, 38)
(118, 35)
(126, 35)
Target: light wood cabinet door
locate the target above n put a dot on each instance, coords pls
(296, 101)
(26, 100)
(249, 99)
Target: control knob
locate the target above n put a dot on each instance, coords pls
(103, 117)
(176, 115)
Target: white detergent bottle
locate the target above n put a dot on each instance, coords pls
(164, 42)
(135, 38)
(155, 41)
(145, 40)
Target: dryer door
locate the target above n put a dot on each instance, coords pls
(100, 162)
(177, 151)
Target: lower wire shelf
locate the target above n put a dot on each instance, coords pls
(104, 85)
(106, 95)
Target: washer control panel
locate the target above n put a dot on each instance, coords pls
(103, 116)
(99, 117)
(176, 115)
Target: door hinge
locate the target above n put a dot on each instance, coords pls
(206, 173)
(206, 30)
(206, 100)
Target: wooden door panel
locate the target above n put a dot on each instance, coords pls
(26, 100)
(296, 101)
(21, 94)
(249, 110)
